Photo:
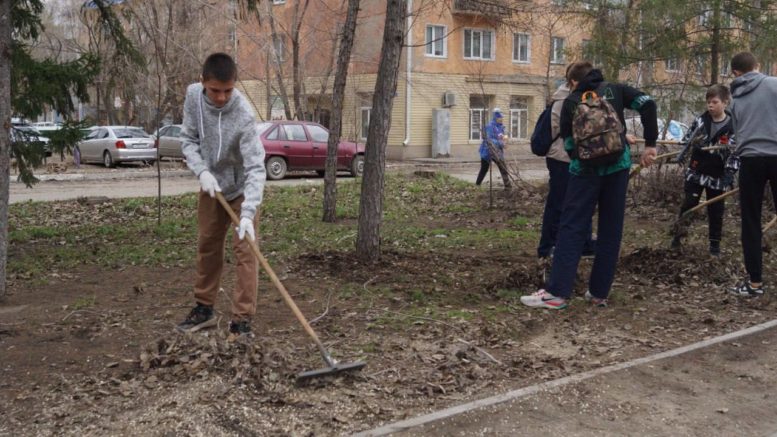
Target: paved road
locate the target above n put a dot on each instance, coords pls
(134, 181)
(126, 187)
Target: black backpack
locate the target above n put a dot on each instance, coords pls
(542, 137)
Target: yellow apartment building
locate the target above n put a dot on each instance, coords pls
(462, 59)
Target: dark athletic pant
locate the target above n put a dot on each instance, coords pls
(484, 164)
(554, 204)
(714, 211)
(584, 194)
(754, 173)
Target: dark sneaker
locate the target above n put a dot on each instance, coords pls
(715, 248)
(746, 290)
(595, 301)
(240, 328)
(543, 299)
(200, 317)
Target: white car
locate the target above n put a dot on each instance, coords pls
(112, 144)
(169, 141)
(43, 126)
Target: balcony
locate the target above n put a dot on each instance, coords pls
(488, 8)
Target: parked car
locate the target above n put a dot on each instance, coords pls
(676, 130)
(169, 141)
(301, 145)
(112, 144)
(43, 126)
(28, 134)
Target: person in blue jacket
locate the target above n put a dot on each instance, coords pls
(494, 133)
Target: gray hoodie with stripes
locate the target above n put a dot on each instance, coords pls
(225, 142)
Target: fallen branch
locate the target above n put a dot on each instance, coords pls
(420, 318)
(481, 350)
(770, 224)
(328, 298)
(351, 235)
(79, 311)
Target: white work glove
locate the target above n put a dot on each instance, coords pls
(209, 184)
(246, 227)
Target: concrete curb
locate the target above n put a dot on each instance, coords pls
(405, 425)
(67, 177)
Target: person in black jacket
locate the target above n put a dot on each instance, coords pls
(593, 186)
(709, 170)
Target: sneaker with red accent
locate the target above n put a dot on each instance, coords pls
(595, 301)
(543, 299)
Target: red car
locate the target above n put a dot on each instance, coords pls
(301, 145)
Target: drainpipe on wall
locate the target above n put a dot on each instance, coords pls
(408, 72)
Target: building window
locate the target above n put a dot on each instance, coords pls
(279, 48)
(701, 64)
(672, 65)
(521, 47)
(436, 43)
(766, 67)
(366, 113)
(278, 2)
(705, 18)
(477, 116)
(478, 44)
(725, 66)
(277, 108)
(557, 55)
(519, 117)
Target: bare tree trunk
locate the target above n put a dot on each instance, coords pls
(371, 203)
(715, 45)
(297, 86)
(335, 127)
(268, 86)
(5, 134)
(278, 61)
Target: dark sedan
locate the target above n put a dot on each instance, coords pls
(301, 145)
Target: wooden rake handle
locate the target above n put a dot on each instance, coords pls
(661, 142)
(638, 167)
(713, 200)
(277, 282)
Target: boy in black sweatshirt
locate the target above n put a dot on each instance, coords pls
(709, 170)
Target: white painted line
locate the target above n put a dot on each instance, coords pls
(404, 425)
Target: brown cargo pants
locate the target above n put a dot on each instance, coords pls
(213, 225)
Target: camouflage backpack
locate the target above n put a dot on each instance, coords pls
(597, 131)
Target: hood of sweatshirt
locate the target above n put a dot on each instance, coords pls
(591, 81)
(561, 93)
(224, 141)
(746, 83)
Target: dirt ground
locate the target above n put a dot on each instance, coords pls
(94, 352)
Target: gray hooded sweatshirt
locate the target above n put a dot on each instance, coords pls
(557, 151)
(754, 115)
(225, 142)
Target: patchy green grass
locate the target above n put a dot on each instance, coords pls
(83, 302)
(420, 214)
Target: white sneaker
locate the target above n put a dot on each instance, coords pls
(543, 299)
